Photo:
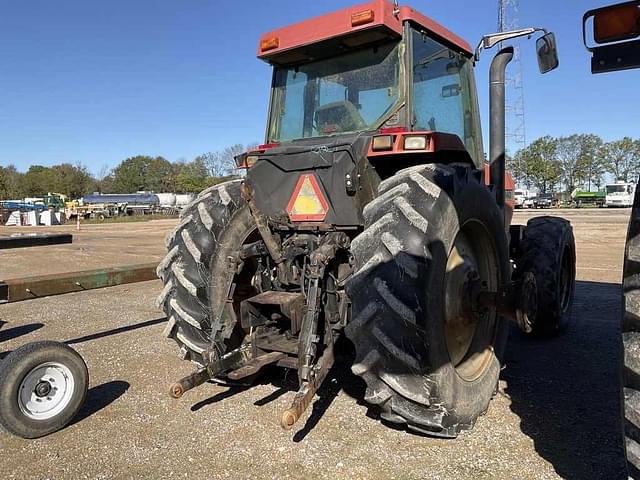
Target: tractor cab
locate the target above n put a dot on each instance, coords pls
(361, 93)
(373, 68)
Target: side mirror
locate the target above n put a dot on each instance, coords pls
(546, 46)
(547, 50)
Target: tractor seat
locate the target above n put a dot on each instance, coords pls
(339, 117)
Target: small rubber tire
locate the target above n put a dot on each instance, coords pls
(15, 368)
(548, 250)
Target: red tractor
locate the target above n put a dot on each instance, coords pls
(368, 214)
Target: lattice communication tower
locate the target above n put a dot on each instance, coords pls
(516, 126)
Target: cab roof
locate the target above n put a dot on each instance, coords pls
(352, 27)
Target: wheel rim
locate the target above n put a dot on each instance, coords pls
(46, 391)
(565, 280)
(472, 265)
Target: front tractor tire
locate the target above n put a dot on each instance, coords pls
(548, 251)
(197, 273)
(429, 363)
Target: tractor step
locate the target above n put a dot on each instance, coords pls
(255, 365)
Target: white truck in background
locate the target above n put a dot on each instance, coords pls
(620, 194)
(523, 198)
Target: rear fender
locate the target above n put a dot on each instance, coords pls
(444, 148)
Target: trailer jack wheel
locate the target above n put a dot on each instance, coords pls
(42, 387)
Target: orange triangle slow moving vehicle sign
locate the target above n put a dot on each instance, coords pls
(307, 203)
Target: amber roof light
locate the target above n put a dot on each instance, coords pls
(269, 44)
(361, 18)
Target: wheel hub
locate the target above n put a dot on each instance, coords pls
(43, 388)
(469, 327)
(527, 310)
(462, 286)
(46, 391)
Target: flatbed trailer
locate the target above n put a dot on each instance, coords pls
(29, 288)
(34, 240)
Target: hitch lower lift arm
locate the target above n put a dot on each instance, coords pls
(311, 374)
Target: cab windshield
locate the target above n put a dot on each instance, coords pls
(352, 92)
(617, 189)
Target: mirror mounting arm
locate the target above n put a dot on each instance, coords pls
(489, 41)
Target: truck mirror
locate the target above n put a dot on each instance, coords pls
(547, 50)
(617, 23)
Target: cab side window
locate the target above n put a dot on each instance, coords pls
(443, 99)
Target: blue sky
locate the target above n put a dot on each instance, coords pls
(96, 82)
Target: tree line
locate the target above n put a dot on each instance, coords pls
(575, 162)
(138, 173)
(581, 161)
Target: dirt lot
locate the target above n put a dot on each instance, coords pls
(556, 414)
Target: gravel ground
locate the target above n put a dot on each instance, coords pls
(556, 414)
(94, 246)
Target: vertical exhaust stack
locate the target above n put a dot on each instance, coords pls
(497, 120)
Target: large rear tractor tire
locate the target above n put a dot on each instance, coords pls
(631, 343)
(199, 269)
(549, 252)
(429, 363)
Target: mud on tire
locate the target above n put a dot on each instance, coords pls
(397, 293)
(197, 273)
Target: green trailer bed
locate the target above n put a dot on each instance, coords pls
(589, 198)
